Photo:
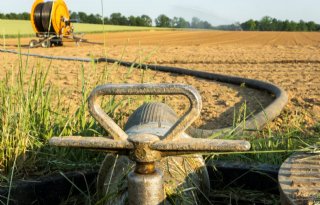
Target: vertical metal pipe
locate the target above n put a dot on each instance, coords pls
(146, 189)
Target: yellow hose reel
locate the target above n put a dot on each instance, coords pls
(51, 22)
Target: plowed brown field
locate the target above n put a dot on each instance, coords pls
(291, 60)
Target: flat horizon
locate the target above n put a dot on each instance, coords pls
(215, 12)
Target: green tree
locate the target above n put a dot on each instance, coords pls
(118, 19)
(292, 26)
(249, 25)
(147, 21)
(163, 21)
(206, 25)
(106, 20)
(74, 16)
(312, 26)
(274, 24)
(83, 17)
(286, 25)
(266, 24)
(132, 21)
(195, 22)
(25, 16)
(179, 22)
(174, 22)
(12, 16)
(94, 19)
(302, 26)
(280, 25)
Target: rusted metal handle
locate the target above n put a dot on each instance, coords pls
(194, 145)
(98, 143)
(171, 144)
(146, 89)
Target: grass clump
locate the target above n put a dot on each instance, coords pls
(31, 113)
(272, 146)
(34, 110)
(26, 118)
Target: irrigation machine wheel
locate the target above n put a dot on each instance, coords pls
(33, 43)
(46, 44)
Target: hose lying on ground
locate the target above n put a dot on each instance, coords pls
(256, 122)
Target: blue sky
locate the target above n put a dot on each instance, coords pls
(215, 11)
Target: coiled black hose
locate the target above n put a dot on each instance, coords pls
(38, 17)
(42, 17)
(256, 122)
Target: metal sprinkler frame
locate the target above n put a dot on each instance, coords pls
(145, 183)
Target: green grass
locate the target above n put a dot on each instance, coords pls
(11, 28)
(272, 146)
(31, 113)
(33, 110)
(94, 28)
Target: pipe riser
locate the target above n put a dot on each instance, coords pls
(146, 189)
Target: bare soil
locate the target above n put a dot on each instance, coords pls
(290, 60)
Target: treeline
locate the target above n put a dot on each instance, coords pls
(14, 16)
(272, 24)
(179, 22)
(119, 19)
(143, 20)
(113, 19)
(265, 24)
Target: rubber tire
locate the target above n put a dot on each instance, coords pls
(33, 43)
(46, 44)
(152, 112)
(56, 41)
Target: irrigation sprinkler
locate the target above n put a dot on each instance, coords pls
(152, 134)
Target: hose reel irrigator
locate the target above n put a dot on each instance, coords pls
(51, 22)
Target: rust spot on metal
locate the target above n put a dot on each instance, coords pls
(142, 151)
(145, 168)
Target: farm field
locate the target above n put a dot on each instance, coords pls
(43, 98)
(12, 28)
(290, 60)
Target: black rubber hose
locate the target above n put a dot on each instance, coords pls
(46, 16)
(38, 17)
(256, 122)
